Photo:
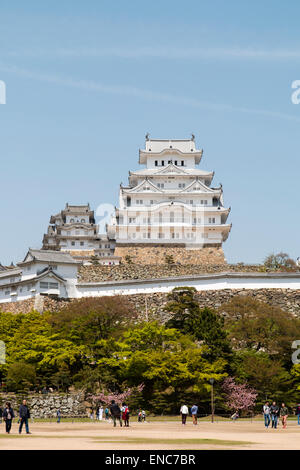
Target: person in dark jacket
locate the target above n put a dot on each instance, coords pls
(24, 415)
(1, 414)
(8, 416)
(298, 413)
(274, 410)
(284, 412)
(115, 413)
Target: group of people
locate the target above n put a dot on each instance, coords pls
(273, 412)
(7, 414)
(141, 416)
(119, 414)
(184, 411)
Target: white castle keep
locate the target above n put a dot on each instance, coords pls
(170, 201)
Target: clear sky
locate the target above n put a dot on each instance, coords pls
(86, 81)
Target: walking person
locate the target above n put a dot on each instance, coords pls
(139, 416)
(184, 411)
(274, 410)
(24, 415)
(194, 412)
(58, 414)
(125, 415)
(8, 416)
(100, 413)
(284, 415)
(115, 413)
(143, 415)
(266, 413)
(298, 413)
(106, 412)
(1, 414)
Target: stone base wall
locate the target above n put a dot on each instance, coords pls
(286, 299)
(97, 273)
(181, 255)
(46, 405)
(150, 306)
(81, 253)
(26, 306)
(23, 306)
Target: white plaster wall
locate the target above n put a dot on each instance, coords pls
(189, 160)
(199, 284)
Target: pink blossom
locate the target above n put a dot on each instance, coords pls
(239, 396)
(107, 397)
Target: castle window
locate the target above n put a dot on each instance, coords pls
(182, 162)
(156, 163)
(162, 163)
(175, 162)
(83, 221)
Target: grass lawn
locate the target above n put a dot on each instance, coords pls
(145, 440)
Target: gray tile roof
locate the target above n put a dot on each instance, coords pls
(50, 256)
(10, 272)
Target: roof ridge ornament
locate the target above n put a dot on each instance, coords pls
(193, 137)
(147, 136)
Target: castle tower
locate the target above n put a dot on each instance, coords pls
(170, 208)
(73, 230)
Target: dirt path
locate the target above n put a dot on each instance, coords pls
(154, 435)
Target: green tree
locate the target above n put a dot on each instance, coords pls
(162, 357)
(279, 261)
(261, 327)
(206, 325)
(268, 376)
(20, 377)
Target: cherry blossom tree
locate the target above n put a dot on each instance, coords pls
(239, 397)
(107, 397)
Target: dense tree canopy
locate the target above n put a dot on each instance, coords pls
(99, 345)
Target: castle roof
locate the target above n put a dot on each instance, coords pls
(48, 256)
(170, 169)
(10, 272)
(170, 146)
(73, 210)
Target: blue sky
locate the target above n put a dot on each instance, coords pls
(86, 80)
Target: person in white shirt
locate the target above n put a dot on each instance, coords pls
(184, 412)
(101, 413)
